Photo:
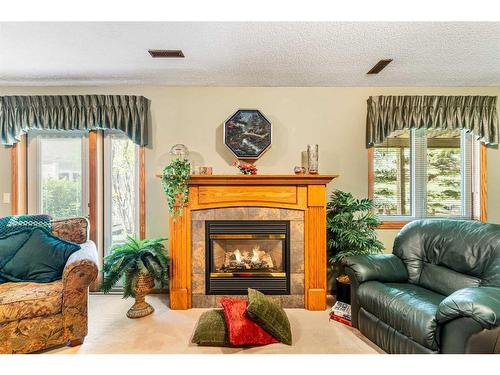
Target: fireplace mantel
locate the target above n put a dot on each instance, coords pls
(275, 179)
(297, 192)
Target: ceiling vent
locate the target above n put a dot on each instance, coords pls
(379, 66)
(165, 53)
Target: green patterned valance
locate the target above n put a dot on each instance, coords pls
(477, 114)
(18, 114)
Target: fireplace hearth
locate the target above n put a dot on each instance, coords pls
(243, 254)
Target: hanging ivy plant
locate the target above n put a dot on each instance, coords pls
(174, 181)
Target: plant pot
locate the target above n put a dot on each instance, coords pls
(145, 283)
(343, 287)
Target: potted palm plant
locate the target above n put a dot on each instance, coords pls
(142, 262)
(351, 225)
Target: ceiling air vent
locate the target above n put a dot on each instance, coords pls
(166, 53)
(379, 66)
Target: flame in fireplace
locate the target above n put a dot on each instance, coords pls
(256, 254)
(256, 259)
(237, 254)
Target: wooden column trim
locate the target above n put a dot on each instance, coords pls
(371, 173)
(180, 261)
(142, 193)
(483, 183)
(315, 248)
(14, 180)
(93, 188)
(19, 178)
(96, 188)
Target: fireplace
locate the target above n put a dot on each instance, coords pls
(243, 254)
(297, 199)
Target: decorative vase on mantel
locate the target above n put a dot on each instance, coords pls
(145, 284)
(312, 158)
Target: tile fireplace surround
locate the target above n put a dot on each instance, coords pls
(298, 199)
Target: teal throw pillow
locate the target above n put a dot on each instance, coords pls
(40, 259)
(10, 243)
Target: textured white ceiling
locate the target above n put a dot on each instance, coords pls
(251, 54)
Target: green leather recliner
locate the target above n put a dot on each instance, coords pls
(438, 292)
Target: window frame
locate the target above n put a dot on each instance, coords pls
(478, 191)
(19, 189)
(33, 167)
(107, 189)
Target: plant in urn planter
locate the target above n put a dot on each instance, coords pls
(351, 226)
(142, 262)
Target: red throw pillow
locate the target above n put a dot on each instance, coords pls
(243, 330)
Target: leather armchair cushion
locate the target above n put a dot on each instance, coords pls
(408, 308)
(465, 246)
(444, 280)
(481, 304)
(379, 267)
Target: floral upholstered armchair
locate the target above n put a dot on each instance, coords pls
(37, 316)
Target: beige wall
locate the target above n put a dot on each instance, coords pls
(332, 117)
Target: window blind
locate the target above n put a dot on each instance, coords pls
(421, 173)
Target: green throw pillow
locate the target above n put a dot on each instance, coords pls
(10, 243)
(41, 258)
(269, 316)
(211, 329)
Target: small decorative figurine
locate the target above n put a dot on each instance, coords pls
(206, 171)
(299, 170)
(245, 167)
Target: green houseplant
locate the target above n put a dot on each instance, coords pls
(142, 262)
(351, 225)
(174, 180)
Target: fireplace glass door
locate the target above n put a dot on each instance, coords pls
(243, 254)
(247, 254)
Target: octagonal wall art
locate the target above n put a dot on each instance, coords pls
(248, 134)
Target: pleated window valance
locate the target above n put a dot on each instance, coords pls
(477, 114)
(18, 114)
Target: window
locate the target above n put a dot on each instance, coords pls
(425, 173)
(99, 175)
(58, 169)
(121, 189)
(391, 168)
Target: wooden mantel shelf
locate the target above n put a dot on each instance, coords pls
(262, 179)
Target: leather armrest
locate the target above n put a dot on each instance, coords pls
(81, 268)
(481, 304)
(379, 267)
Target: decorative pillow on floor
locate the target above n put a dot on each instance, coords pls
(211, 329)
(9, 244)
(41, 258)
(242, 330)
(269, 315)
(11, 224)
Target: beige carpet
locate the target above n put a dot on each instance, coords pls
(169, 331)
